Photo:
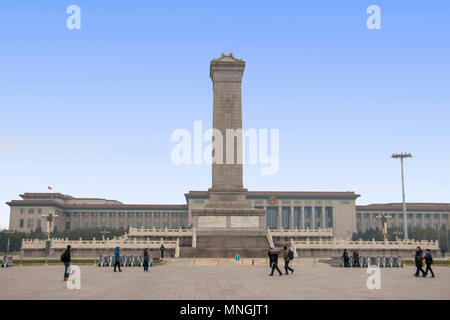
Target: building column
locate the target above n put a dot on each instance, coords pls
(291, 219)
(302, 213)
(323, 218)
(279, 224)
(333, 222)
(313, 218)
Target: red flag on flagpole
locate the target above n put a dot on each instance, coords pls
(49, 188)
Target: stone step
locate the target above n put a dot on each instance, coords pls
(223, 253)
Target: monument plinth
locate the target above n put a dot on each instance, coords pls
(228, 206)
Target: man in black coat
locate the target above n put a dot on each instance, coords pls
(65, 257)
(429, 262)
(346, 259)
(273, 255)
(419, 263)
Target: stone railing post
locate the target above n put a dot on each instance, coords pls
(177, 248)
(294, 248)
(194, 238)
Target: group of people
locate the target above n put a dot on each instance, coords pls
(347, 259)
(418, 259)
(288, 255)
(273, 259)
(66, 258)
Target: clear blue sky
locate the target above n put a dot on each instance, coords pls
(90, 112)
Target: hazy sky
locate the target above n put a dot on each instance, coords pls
(90, 112)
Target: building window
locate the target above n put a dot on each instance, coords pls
(148, 224)
(121, 214)
(94, 224)
(418, 216)
(139, 224)
(174, 220)
(38, 224)
(67, 214)
(285, 217)
(30, 210)
(297, 218)
(436, 216)
(21, 223)
(358, 215)
(184, 220)
(130, 214)
(165, 220)
(307, 213)
(85, 224)
(157, 220)
(272, 218)
(22, 210)
(121, 224)
(112, 224)
(40, 211)
(103, 214)
(30, 223)
(85, 214)
(67, 225)
(139, 214)
(112, 214)
(148, 215)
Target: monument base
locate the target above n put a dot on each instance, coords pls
(229, 218)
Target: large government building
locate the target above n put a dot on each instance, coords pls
(227, 214)
(284, 210)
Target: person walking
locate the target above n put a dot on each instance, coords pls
(65, 257)
(356, 259)
(346, 259)
(419, 263)
(146, 260)
(162, 250)
(274, 252)
(429, 262)
(117, 259)
(288, 256)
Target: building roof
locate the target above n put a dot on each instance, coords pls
(102, 206)
(411, 206)
(288, 194)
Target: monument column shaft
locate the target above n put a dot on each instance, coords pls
(227, 119)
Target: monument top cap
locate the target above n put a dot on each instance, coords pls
(227, 58)
(226, 68)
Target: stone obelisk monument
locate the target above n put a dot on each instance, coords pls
(228, 207)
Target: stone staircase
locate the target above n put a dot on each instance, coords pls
(228, 243)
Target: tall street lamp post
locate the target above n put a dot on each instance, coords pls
(8, 242)
(402, 156)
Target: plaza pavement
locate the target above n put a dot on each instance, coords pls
(224, 279)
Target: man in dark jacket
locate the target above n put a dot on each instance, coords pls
(162, 250)
(346, 259)
(356, 259)
(419, 263)
(146, 260)
(65, 257)
(274, 252)
(117, 259)
(287, 259)
(429, 262)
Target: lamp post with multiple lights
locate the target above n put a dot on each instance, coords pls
(402, 156)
